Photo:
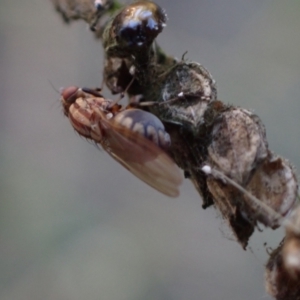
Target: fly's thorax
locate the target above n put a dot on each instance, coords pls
(85, 115)
(80, 117)
(144, 123)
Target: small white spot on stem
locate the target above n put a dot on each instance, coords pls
(206, 169)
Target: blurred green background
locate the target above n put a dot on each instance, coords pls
(73, 223)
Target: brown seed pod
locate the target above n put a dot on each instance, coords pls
(274, 183)
(238, 144)
(239, 151)
(186, 91)
(282, 273)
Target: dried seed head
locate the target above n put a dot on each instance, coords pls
(238, 144)
(275, 276)
(291, 257)
(139, 24)
(239, 150)
(191, 89)
(291, 245)
(282, 271)
(274, 183)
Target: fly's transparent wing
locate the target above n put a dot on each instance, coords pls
(142, 158)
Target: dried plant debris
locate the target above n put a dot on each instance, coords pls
(222, 149)
(90, 11)
(283, 268)
(239, 150)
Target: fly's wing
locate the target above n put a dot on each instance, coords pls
(142, 158)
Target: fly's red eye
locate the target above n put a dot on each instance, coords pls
(139, 23)
(70, 94)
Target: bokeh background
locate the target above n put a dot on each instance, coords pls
(73, 223)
